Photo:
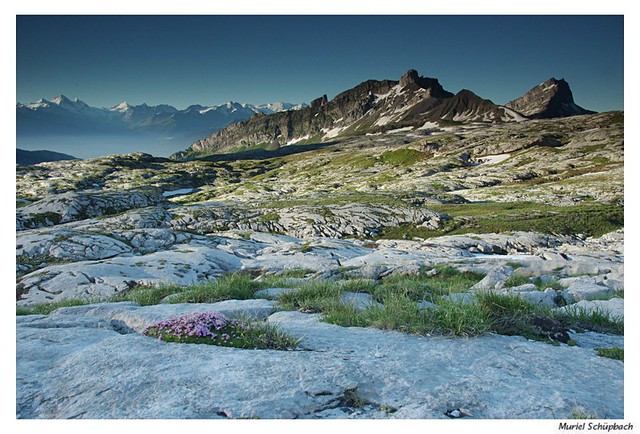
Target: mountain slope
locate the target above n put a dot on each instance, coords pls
(371, 107)
(550, 99)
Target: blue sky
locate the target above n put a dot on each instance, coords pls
(183, 60)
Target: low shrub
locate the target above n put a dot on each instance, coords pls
(541, 285)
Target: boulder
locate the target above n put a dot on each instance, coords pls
(612, 280)
(494, 279)
(580, 290)
(546, 298)
(358, 300)
(613, 307)
(595, 340)
(424, 304)
(371, 271)
(527, 287)
(274, 293)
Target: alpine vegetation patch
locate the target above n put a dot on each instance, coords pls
(611, 353)
(214, 328)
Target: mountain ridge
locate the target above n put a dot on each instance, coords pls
(26, 158)
(411, 103)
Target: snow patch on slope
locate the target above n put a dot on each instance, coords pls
(383, 120)
(399, 130)
(333, 132)
(510, 115)
(298, 139)
(429, 125)
(490, 160)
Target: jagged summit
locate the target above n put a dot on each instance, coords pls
(60, 99)
(411, 78)
(122, 107)
(550, 99)
(63, 101)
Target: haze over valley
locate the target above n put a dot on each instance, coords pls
(72, 126)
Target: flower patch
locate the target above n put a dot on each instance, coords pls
(214, 328)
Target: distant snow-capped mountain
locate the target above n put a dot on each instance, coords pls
(279, 107)
(62, 115)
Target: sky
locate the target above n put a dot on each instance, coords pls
(184, 60)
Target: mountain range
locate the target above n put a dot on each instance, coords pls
(413, 103)
(63, 116)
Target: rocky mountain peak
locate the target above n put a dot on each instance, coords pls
(122, 107)
(60, 100)
(319, 102)
(466, 93)
(412, 79)
(550, 99)
(559, 87)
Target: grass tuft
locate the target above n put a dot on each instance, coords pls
(398, 312)
(47, 308)
(516, 280)
(458, 319)
(581, 413)
(541, 286)
(597, 320)
(233, 286)
(147, 295)
(611, 353)
(313, 297)
(512, 315)
(448, 280)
